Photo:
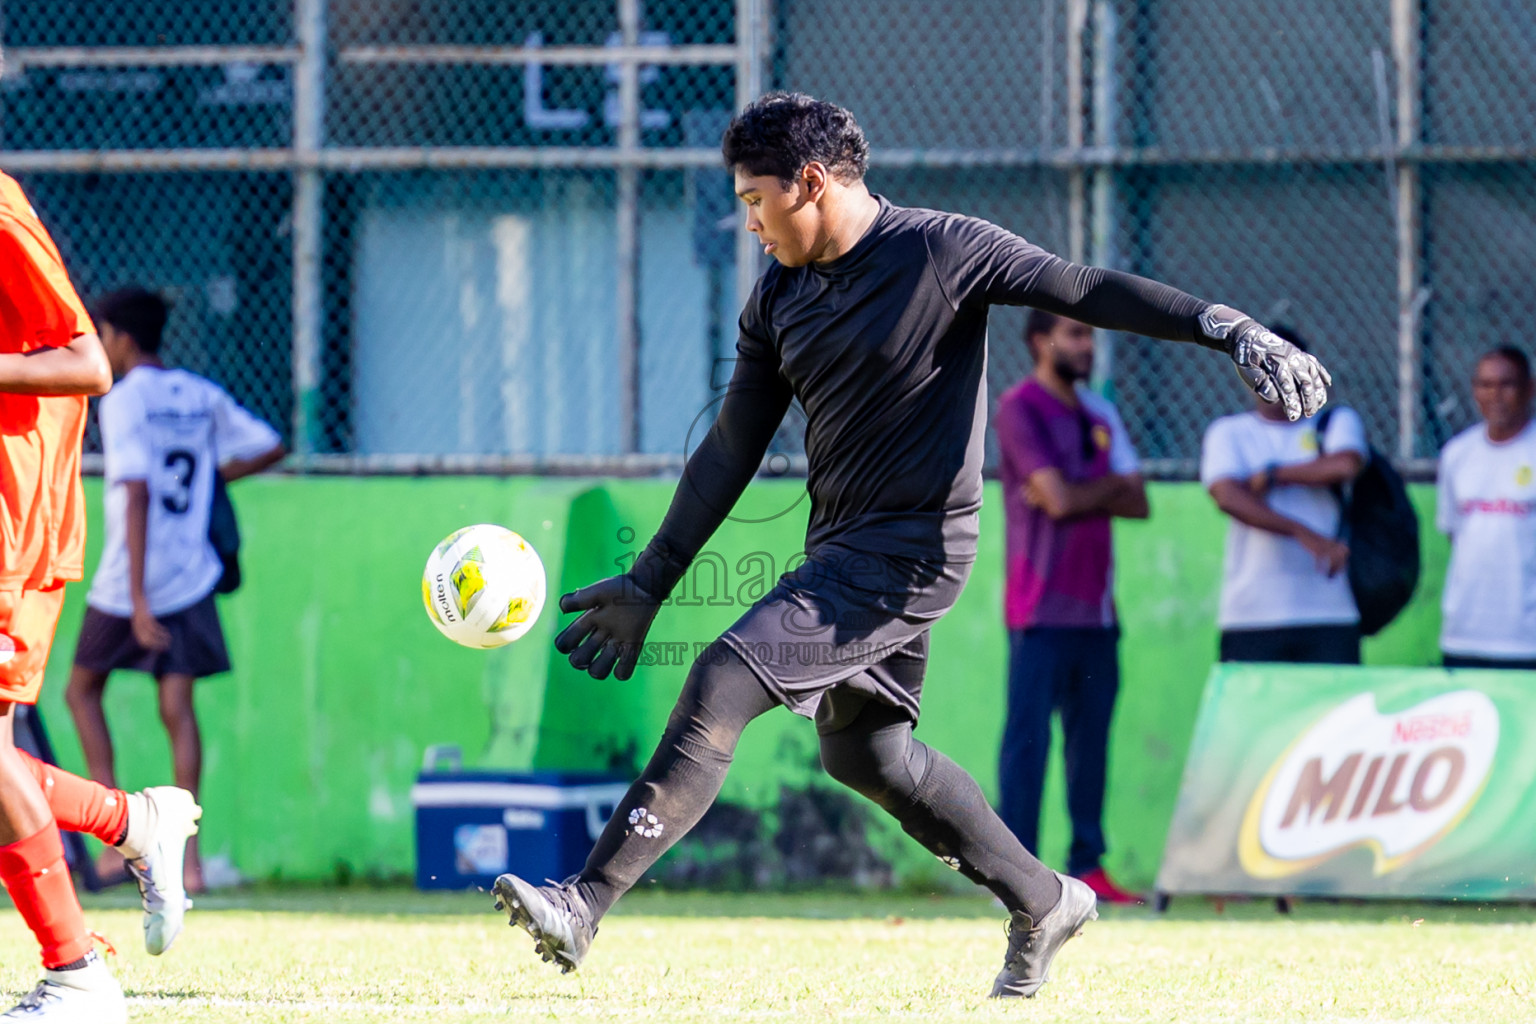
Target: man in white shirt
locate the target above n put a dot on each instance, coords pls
(165, 433)
(1285, 595)
(1487, 504)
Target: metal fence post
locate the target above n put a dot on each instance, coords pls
(1077, 189)
(627, 296)
(1103, 209)
(1405, 51)
(308, 137)
(752, 54)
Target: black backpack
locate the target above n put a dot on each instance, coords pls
(224, 535)
(1379, 524)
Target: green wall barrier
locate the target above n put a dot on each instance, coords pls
(340, 680)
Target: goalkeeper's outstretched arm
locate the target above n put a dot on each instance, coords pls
(978, 260)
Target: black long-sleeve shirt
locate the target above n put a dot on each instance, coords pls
(885, 347)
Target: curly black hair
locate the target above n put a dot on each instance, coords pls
(781, 132)
(137, 312)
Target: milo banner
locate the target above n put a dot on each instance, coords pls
(1344, 781)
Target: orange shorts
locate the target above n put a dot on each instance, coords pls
(27, 621)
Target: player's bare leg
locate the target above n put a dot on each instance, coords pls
(179, 717)
(23, 808)
(84, 697)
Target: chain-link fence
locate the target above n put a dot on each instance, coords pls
(495, 233)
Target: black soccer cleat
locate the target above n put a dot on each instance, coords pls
(556, 917)
(1032, 947)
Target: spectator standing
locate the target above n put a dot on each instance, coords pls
(1285, 596)
(1487, 504)
(165, 433)
(1067, 469)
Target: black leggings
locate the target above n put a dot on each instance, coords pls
(934, 800)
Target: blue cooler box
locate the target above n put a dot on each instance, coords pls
(473, 826)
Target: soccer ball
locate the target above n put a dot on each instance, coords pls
(483, 586)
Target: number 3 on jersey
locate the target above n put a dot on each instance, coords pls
(183, 467)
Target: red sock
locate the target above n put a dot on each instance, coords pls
(34, 873)
(80, 805)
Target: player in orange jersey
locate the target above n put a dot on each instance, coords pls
(50, 360)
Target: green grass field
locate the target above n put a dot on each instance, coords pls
(354, 956)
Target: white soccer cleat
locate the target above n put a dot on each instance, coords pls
(160, 821)
(87, 995)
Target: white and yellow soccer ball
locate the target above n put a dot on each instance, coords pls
(483, 586)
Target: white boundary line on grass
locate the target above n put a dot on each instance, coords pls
(566, 1009)
(574, 1009)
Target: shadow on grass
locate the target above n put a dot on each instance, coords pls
(822, 904)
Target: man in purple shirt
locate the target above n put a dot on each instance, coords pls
(1067, 468)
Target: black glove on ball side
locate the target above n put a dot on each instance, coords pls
(615, 616)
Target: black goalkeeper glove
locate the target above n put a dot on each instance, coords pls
(616, 615)
(1272, 367)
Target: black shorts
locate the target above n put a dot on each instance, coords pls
(1315, 645)
(846, 627)
(197, 643)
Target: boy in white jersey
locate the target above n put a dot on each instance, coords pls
(1487, 503)
(1284, 595)
(165, 433)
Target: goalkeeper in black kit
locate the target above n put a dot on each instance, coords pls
(873, 316)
